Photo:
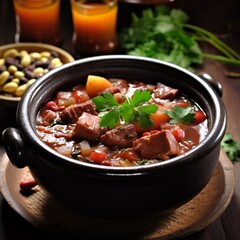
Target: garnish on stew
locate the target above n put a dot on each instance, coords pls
(180, 114)
(131, 110)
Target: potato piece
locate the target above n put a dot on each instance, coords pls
(96, 85)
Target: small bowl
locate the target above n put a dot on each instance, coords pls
(11, 101)
(117, 192)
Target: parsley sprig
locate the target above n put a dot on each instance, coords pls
(135, 109)
(180, 114)
(231, 147)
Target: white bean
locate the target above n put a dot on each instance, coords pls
(4, 77)
(21, 90)
(10, 87)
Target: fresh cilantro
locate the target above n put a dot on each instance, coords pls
(231, 147)
(133, 109)
(159, 33)
(180, 114)
(165, 34)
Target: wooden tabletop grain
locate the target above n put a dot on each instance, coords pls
(219, 16)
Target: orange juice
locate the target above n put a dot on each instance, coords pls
(94, 27)
(38, 21)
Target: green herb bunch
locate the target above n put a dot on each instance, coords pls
(159, 34)
(165, 34)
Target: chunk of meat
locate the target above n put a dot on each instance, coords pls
(165, 92)
(158, 145)
(121, 136)
(87, 127)
(46, 118)
(121, 84)
(111, 90)
(71, 113)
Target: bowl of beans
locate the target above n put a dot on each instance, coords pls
(21, 64)
(119, 136)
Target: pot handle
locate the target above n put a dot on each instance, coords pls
(14, 147)
(216, 85)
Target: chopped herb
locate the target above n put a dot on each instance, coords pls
(131, 110)
(56, 122)
(75, 153)
(181, 114)
(141, 162)
(231, 147)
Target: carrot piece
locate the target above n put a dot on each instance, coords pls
(159, 118)
(96, 85)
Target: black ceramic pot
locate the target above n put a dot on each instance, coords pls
(111, 191)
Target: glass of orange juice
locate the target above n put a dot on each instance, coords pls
(94, 24)
(38, 21)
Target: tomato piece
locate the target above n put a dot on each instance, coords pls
(129, 155)
(98, 157)
(80, 96)
(51, 105)
(183, 104)
(178, 133)
(199, 117)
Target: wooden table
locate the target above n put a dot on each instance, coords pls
(219, 16)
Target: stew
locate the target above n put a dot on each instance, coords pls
(115, 122)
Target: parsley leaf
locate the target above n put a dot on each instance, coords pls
(231, 147)
(127, 112)
(105, 102)
(133, 109)
(111, 118)
(180, 114)
(140, 97)
(145, 121)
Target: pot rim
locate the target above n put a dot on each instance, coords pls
(27, 131)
